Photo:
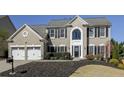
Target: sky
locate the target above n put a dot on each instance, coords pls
(116, 20)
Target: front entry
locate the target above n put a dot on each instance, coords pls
(76, 51)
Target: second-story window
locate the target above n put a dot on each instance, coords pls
(76, 34)
(91, 32)
(51, 32)
(102, 32)
(62, 32)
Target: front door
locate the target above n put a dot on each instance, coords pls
(76, 51)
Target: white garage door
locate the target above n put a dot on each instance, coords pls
(18, 53)
(33, 53)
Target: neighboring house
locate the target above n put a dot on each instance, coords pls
(78, 36)
(6, 30)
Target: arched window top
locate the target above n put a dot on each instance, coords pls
(76, 34)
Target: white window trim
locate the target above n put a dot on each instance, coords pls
(60, 32)
(93, 32)
(104, 33)
(93, 48)
(63, 46)
(50, 33)
(77, 42)
(100, 49)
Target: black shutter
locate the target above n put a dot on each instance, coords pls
(65, 49)
(95, 31)
(48, 49)
(87, 32)
(95, 50)
(58, 33)
(72, 50)
(106, 31)
(87, 50)
(55, 33)
(65, 32)
(98, 49)
(98, 31)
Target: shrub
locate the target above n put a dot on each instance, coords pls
(99, 57)
(55, 56)
(114, 61)
(120, 65)
(90, 57)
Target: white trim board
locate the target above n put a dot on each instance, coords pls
(25, 46)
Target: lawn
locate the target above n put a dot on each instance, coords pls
(51, 69)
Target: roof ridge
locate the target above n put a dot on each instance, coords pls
(61, 19)
(38, 25)
(95, 17)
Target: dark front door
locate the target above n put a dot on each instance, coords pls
(76, 51)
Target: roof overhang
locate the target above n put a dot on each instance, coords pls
(10, 39)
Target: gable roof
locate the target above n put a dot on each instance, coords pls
(40, 29)
(91, 21)
(25, 25)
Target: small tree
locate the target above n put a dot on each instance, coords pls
(115, 49)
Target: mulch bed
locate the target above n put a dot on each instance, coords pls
(50, 69)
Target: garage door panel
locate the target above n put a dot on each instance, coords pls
(18, 53)
(33, 53)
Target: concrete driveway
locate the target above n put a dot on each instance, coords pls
(6, 66)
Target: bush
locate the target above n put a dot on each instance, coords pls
(90, 57)
(114, 61)
(120, 65)
(99, 57)
(58, 56)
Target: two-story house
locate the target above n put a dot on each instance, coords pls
(78, 36)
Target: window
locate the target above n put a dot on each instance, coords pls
(51, 49)
(57, 48)
(62, 32)
(51, 32)
(102, 49)
(62, 49)
(91, 32)
(102, 31)
(91, 49)
(76, 34)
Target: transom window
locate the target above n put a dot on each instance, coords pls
(76, 34)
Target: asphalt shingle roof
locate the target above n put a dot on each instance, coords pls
(40, 29)
(90, 21)
(97, 21)
(58, 23)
